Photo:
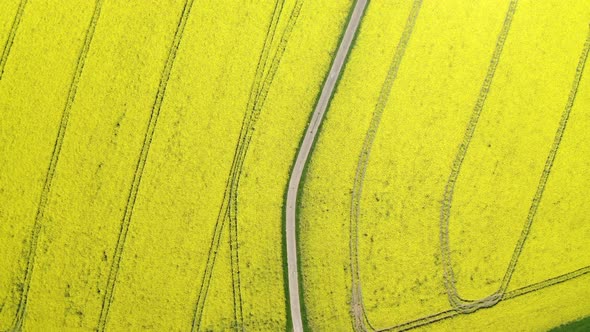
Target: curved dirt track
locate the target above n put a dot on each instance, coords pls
(303, 155)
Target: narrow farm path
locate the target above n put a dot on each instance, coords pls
(303, 155)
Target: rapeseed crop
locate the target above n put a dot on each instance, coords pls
(145, 148)
(453, 137)
(175, 111)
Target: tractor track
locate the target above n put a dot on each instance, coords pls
(466, 305)
(140, 166)
(449, 277)
(228, 211)
(19, 316)
(359, 315)
(11, 35)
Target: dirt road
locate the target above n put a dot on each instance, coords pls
(304, 150)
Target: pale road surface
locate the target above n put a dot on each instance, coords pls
(310, 135)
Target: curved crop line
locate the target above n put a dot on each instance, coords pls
(260, 101)
(360, 319)
(449, 276)
(468, 305)
(448, 314)
(254, 115)
(137, 176)
(548, 164)
(11, 35)
(223, 211)
(36, 231)
(229, 208)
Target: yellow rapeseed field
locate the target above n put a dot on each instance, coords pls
(142, 143)
(146, 146)
(448, 186)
